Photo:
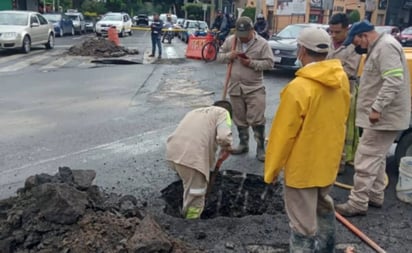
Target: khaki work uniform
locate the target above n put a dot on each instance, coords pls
(246, 90)
(384, 86)
(191, 149)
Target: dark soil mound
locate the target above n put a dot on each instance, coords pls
(234, 194)
(66, 213)
(100, 47)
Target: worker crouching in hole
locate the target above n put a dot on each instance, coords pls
(191, 151)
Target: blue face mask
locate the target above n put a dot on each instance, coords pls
(298, 63)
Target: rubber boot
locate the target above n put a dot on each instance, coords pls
(299, 243)
(243, 141)
(326, 233)
(259, 132)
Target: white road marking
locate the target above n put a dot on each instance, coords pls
(170, 52)
(24, 64)
(11, 58)
(56, 63)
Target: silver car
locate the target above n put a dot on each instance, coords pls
(284, 45)
(24, 29)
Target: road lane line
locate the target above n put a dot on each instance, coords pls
(56, 63)
(24, 64)
(17, 56)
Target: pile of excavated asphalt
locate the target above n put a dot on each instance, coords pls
(100, 47)
(66, 213)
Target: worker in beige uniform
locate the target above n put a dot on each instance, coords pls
(338, 30)
(250, 57)
(382, 111)
(191, 151)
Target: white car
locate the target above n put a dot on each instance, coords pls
(79, 23)
(24, 29)
(121, 21)
(192, 27)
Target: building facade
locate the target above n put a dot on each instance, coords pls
(283, 12)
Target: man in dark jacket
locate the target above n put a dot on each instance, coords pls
(156, 28)
(261, 26)
(221, 24)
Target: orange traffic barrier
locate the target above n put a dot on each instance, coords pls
(195, 45)
(113, 36)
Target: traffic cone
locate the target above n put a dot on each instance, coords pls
(113, 36)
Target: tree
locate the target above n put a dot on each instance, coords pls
(194, 11)
(249, 12)
(354, 16)
(93, 7)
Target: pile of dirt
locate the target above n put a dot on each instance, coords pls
(66, 213)
(100, 47)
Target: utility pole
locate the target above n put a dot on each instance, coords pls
(258, 8)
(184, 4)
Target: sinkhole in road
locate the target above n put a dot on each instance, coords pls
(234, 194)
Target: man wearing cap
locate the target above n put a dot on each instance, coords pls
(338, 30)
(306, 141)
(382, 111)
(221, 24)
(250, 55)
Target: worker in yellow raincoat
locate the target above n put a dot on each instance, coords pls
(306, 140)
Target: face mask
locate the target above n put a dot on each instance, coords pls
(298, 63)
(360, 50)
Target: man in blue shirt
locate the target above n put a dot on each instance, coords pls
(156, 28)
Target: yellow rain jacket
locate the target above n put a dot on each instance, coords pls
(308, 131)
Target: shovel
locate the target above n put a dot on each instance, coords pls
(224, 154)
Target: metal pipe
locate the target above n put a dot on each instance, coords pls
(359, 233)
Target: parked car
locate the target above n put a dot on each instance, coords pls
(24, 29)
(121, 21)
(284, 45)
(79, 23)
(61, 23)
(406, 37)
(192, 26)
(393, 30)
(141, 20)
(90, 24)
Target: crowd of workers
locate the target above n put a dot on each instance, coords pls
(323, 108)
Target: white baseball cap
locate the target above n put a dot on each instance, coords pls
(315, 39)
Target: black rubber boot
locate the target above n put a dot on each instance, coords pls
(326, 233)
(259, 132)
(243, 141)
(299, 243)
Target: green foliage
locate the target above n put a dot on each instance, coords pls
(91, 7)
(194, 11)
(354, 16)
(249, 12)
(116, 5)
(66, 4)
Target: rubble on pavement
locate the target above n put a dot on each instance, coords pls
(100, 47)
(66, 213)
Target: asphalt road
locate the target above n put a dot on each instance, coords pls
(58, 110)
